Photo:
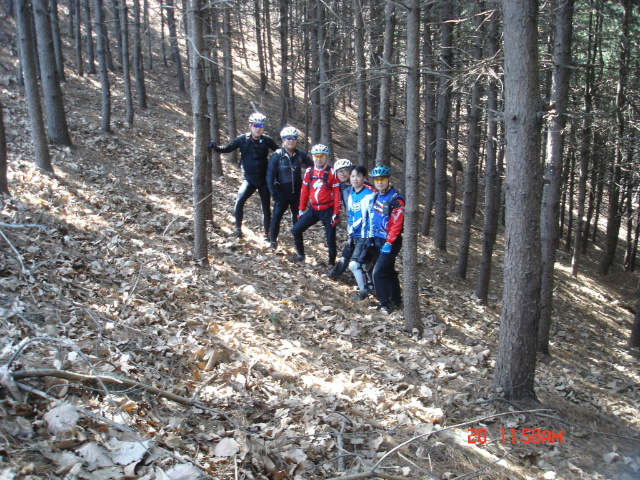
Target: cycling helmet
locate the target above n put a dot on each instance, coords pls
(257, 117)
(380, 171)
(342, 163)
(288, 132)
(319, 149)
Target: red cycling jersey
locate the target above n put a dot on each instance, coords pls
(321, 188)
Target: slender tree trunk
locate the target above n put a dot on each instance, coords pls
(118, 27)
(314, 80)
(444, 106)
(173, 41)
(429, 130)
(38, 136)
(258, 22)
(147, 29)
(634, 340)
(138, 63)
(267, 17)
(89, 32)
(4, 186)
(384, 133)
(553, 165)
(57, 128)
(412, 177)
(228, 80)
(104, 74)
(516, 357)
(71, 12)
(570, 195)
(78, 35)
(325, 107)
(162, 38)
(361, 79)
(628, 198)
(285, 97)
(613, 211)
(107, 45)
(126, 74)
(493, 183)
(200, 131)
(454, 155)
(57, 41)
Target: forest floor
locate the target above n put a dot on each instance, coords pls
(258, 367)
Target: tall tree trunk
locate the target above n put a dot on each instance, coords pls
(4, 186)
(516, 357)
(71, 12)
(314, 80)
(553, 165)
(454, 155)
(613, 210)
(57, 41)
(571, 154)
(200, 131)
(118, 27)
(78, 35)
(267, 16)
(104, 74)
(384, 133)
(173, 41)
(634, 340)
(107, 46)
(126, 75)
(493, 182)
(442, 123)
(412, 176)
(147, 29)
(258, 22)
(228, 80)
(361, 79)
(38, 136)
(628, 198)
(285, 98)
(162, 38)
(429, 129)
(325, 98)
(473, 141)
(53, 100)
(138, 63)
(88, 28)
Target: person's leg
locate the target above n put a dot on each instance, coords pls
(279, 208)
(330, 233)
(245, 191)
(295, 202)
(265, 202)
(356, 268)
(381, 272)
(307, 220)
(343, 261)
(395, 294)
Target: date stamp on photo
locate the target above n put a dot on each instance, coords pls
(517, 436)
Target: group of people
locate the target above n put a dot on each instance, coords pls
(374, 215)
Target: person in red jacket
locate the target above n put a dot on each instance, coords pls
(321, 194)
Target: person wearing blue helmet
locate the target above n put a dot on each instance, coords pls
(386, 222)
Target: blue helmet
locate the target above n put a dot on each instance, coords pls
(380, 171)
(319, 149)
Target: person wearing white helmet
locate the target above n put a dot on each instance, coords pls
(284, 178)
(254, 157)
(342, 167)
(321, 194)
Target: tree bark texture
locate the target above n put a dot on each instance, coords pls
(228, 80)
(553, 165)
(57, 41)
(138, 63)
(4, 186)
(38, 135)
(126, 70)
(285, 97)
(173, 41)
(258, 22)
(102, 65)
(361, 86)
(516, 357)
(88, 28)
(384, 134)
(78, 38)
(429, 130)
(324, 87)
(57, 128)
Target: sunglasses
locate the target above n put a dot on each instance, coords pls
(320, 155)
(291, 138)
(380, 179)
(258, 125)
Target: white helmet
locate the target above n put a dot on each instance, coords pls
(319, 149)
(257, 118)
(342, 163)
(288, 132)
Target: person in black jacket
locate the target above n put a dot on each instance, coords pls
(254, 153)
(284, 179)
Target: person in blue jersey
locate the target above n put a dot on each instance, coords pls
(254, 150)
(359, 206)
(342, 168)
(284, 178)
(387, 218)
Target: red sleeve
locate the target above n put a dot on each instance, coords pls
(336, 193)
(396, 219)
(304, 192)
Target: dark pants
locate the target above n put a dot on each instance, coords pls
(286, 200)
(250, 185)
(343, 261)
(385, 277)
(310, 218)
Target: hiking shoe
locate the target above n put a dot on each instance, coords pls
(362, 295)
(385, 309)
(236, 233)
(333, 274)
(273, 245)
(298, 258)
(265, 235)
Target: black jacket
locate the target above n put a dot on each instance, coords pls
(254, 154)
(284, 172)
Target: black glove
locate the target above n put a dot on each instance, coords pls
(212, 145)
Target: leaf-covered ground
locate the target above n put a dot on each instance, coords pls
(259, 367)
